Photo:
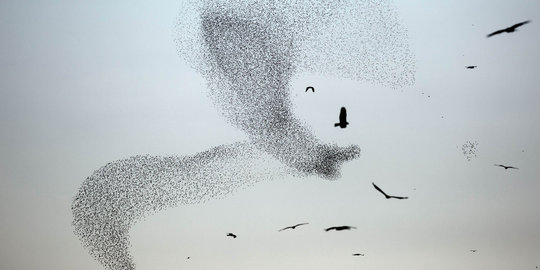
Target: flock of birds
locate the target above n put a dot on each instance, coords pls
(343, 124)
(510, 29)
(333, 228)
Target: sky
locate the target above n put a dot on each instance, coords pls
(86, 83)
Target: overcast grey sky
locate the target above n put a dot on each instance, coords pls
(86, 83)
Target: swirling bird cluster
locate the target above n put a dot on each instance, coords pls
(248, 51)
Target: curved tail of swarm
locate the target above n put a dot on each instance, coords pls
(120, 193)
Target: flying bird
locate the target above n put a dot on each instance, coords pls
(386, 195)
(470, 67)
(505, 167)
(342, 119)
(231, 235)
(509, 29)
(293, 227)
(474, 250)
(358, 254)
(310, 87)
(340, 228)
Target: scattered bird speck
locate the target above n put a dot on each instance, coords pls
(470, 150)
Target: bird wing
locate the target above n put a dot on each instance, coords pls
(331, 228)
(519, 24)
(290, 227)
(497, 32)
(511, 167)
(380, 190)
(343, 115)
(398, 197)
(300, 224)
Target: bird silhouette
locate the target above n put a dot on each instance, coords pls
(358, 254)
(470, 67)
(310, 87)
(340, 228)
(231, 235)
(386, 195)
(474, 250)
(293, 227)
(509, 29)
(505, 167)
(342, 118)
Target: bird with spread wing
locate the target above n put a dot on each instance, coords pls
(388, 196)
(293, 226)
(505, 167)
(509, 29)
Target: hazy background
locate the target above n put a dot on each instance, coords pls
(86, 83)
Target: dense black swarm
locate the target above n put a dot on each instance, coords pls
(249, 52)
(120, 193)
